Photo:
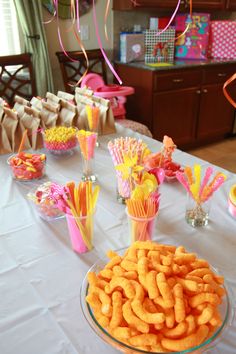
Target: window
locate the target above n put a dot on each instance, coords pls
(10, 39)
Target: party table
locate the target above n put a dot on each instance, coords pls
(40, 275)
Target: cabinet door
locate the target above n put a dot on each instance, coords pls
(175, 114)
(216, 115)
(231, 5)
(208, 4)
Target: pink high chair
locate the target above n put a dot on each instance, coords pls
(117, 96)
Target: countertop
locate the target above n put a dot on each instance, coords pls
(179, 64)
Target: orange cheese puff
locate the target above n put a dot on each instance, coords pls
(152, 246)
(184, 258)
(117, 316)
(96, 305)
(131, 275)
(180, 269)
(143, 339)
(118, 271)
(189, 285)
(154, 256)
(151, 284)
(149, 305)
(205, 288)
(165, 290)
(204, 297)
(177, 331)
(187, 307)
(111, 254)
(133, 320)
(179, 306)
(95, 281)
(167, 260)
(132, 254)
(187, 342)
(106, 273)
(105, 300)
(148, 317)
(139, 292)
(209, 279)
(161, 302)
(190, 319)
(141, 253)
(206, 315)
(128, 265)
(200, 272)
(216, 320)
(162, 269)
(143, 270)
(123, 283)
(180, 250)
(218, 278)
(194, 278)
(159, 326)
(170, 318)
(114, 261)
(121, 332)
(158, 348)
(199, 263)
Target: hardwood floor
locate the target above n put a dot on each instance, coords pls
(222, 154)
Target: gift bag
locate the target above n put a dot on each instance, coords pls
(159, 48)
(36, 102)
(31, 121)
(53, 99)
(49, 115)
(2, 105)
(132, 47)
(66, 96)
(5, 146)
(222, 40)
(194, 43)
(10, 123)
(19, 104)
(68, 114)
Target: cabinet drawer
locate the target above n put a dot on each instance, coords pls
(176, 80)
(218, 74)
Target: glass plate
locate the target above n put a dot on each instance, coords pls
(225, 309)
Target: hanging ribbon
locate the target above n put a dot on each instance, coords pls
(229, 98)
(105, 19)
(100, 45)
(190, 20)
(171, 19)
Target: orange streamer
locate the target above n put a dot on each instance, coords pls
(227, 83)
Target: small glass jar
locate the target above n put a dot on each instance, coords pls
(197, 214)
(88, 168)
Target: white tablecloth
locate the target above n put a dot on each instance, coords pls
(40, 275)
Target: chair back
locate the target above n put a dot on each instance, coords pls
(72, 71)
(16, 77)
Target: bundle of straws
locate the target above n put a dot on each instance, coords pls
(87, 142)
(200, 189)
(142, 207)
(79, 202)
(93, 113)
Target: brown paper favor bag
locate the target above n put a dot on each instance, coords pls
(51, 98)
(2, 104)
(5, 146)
(19, 104)
(66, 96)
(82, 101)
(10, 123)
(36, 102)
(67, 114)
(49, 115)
(31, 122)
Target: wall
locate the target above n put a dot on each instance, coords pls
(69, 41)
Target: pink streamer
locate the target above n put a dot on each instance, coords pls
(77, 16)
(171, 19)
(100, 45)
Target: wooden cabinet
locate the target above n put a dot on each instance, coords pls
(231, 5)
(171, 4)
(187, 103)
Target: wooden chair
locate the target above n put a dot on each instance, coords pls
(16, 77)
(73, 71)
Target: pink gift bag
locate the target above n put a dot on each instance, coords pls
(194, 43)
(222, 39)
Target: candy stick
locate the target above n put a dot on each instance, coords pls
(95, 114)
(89, 116)
(206, 178)
(181, 178)
(189, 175)
(214, 185)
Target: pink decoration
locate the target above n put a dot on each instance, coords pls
(222, 39)
(75, 235)
(206, 178)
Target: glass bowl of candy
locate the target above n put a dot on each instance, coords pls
(60, 140)
(43, 203)
(145, 299)
(27, 166)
